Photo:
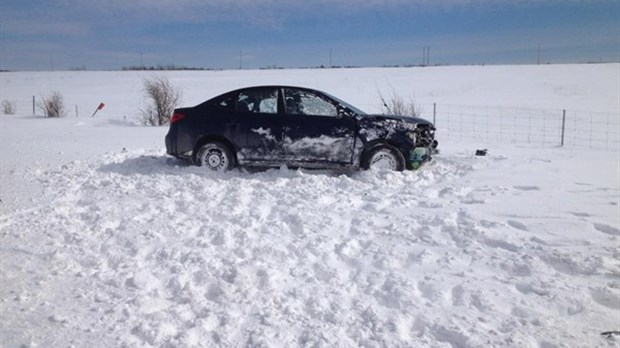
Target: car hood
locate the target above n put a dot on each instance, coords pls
(410, 120)
(388, 127)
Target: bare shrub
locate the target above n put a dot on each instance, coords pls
(53, 105)
(8, 107)
(396, 105)
(162, 98)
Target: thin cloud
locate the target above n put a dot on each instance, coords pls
(270, 14)
(30, 27)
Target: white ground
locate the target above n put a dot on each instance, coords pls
(105, 241)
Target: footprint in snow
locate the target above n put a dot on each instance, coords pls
(527, 288)
(457, 296)
(606, 297)
(472, 200)
(526, 188)
(496, 243)
(516, 224)
(607, 229)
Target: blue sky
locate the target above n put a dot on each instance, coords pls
(110, 34)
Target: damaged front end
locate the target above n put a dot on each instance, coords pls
(413, 136)
(425, 145)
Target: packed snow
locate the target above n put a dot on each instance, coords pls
(108, 242)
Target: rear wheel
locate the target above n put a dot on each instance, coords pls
(383, 157)
(215, 156)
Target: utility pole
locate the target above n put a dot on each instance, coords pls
(240, 60)
(426, 52)
(51, 62)
(141, 61)
(538, 61)
(428, 55)
(330, 58)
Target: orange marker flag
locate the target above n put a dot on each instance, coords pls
(101, 106)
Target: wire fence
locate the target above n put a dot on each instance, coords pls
(32, 105)
(592, 129)
(526, 126)
(19, 106)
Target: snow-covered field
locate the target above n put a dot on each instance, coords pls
(107, 242)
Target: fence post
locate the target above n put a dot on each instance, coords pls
(33, 105)
(434, 113)
(563, 126)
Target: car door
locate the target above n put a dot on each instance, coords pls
(314, 130)
(256, 125)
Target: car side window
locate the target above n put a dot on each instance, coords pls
(299, 102)
(227, 103)
(258, 101)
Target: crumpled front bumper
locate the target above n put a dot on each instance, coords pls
(422, 154)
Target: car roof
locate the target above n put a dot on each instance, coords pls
(260, 87)
(275, 86)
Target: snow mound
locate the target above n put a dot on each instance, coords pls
(138, 249)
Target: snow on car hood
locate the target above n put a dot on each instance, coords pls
(406, 119)
(374, 127)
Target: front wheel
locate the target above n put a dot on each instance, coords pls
(383, 157)
(215, 156)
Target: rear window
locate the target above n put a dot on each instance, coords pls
(263, 100)
(227, 102)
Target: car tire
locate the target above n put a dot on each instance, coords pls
(215, 156)
(383, 157)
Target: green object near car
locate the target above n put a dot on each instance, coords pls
(417, 156)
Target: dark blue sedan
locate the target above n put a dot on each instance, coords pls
(299, 127)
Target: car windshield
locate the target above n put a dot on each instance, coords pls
(347, 105)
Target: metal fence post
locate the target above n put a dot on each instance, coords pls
(33, 104)
(563, 126)
(434, 113)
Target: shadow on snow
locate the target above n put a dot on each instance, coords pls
(165, 165)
